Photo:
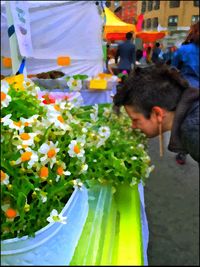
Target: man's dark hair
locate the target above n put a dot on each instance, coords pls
(129, 35)
(157, 44)
(147, 87)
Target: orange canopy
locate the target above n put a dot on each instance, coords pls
(114, 27)
(148, 37)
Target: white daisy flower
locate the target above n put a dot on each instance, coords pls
(94, 114)
(50, 151)
(31, 120)
(77, 184)
(104, 131)
(5, 98)
(6, 120)
(61, 171)
(84, 168)
(74, 85)
(29, 156)
(4, 178)
(55, 217)
(134, 158)
(27, 139)
(149, 170)
(106, 112)
(76, 149)
(141, 146)
(59, 122)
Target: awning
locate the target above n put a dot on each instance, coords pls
(148, 37)
(114, 27)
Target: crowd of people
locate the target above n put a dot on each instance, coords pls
(161, 92)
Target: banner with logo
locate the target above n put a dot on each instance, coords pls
(21, 20)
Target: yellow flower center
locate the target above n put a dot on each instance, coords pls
(57, 107)
(25, 136)
(74, 83)
(26, 156)
(3, 96)
(51, 153)
(76, 149)
(60, 118)
(17, 123)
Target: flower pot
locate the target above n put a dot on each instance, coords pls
(55, 243)
(112, 234)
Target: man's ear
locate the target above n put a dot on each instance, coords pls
(159, 113)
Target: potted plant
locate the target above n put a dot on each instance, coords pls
(48, 149)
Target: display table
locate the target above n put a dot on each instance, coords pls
(86, 96)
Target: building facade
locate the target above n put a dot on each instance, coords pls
(173, 16)
(125, 10)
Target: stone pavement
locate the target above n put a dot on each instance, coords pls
(172, 208)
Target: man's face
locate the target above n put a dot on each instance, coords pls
(147, 126)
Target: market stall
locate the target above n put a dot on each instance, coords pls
(115, 28)
(66, 36)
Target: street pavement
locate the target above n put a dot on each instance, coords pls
(172, 209)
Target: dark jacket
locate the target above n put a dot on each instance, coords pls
(185, 130)
(126, 52)
(155, 55)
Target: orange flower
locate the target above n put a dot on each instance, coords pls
(60, 171)
(3, 96)
(11, 213)
(60, 118)
(26, 156)
(3, 176)
(44, 172)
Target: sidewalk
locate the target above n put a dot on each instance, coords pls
(172, 208)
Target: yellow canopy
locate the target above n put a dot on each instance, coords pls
(116, 25)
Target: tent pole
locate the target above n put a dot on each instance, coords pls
(14, 49)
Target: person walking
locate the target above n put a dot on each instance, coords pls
(155, 53)
(186, 60)
(159, 99)
(126, 53)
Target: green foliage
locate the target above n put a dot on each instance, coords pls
(69, 145)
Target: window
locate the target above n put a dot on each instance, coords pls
(150, 5)
(174, 3)
(173, 21)
(148, 24)
(143, 7)
(155, 22)
(195, 18)
(196, 3)
(157, 5)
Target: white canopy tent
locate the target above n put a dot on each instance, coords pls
(60, 28)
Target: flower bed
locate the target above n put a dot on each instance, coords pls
(50, 146)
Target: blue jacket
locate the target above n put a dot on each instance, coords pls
(186, 59)
(126, 52)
